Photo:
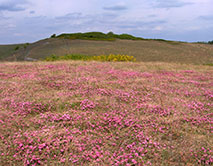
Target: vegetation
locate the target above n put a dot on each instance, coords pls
(109, 36)
(98, 113)
(53, 36)
(209, 64)
(202, 42)
(111, 57)
(98, 36)
(21, 46)
(16, 48)
(25, 45)
(210, 42)
(114, 58)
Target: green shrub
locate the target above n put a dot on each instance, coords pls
(209, 64)
(98, 36)
(52, 57)
(16, 48)
(114, 58)
(110, 58)
(210, 42)
(128, 37)
(25, 45)
(53, 36)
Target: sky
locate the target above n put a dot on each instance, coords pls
(24, 21)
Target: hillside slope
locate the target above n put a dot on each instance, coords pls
(143, 50)
(8, 50)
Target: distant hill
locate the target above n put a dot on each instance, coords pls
(97, 43)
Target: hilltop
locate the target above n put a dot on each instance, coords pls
(97, 43)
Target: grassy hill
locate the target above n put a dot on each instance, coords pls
(146, 50)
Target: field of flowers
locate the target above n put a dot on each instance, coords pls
(105, 113)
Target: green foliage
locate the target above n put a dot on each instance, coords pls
(109, 58)
(163, 40)
(21, 46)
(53, 36)
(98, 36)
(210, 42)
(114, 58)
(128, 37)
(75, 105)
(202, 42)
(110, 36)
(52, 57)
(16, 48)
(209, 64)
(25, 45)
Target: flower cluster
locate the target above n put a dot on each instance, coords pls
(105, 113)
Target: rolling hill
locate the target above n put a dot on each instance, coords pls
(146, 50)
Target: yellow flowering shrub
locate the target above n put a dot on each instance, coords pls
(109, 58)
(114, 58)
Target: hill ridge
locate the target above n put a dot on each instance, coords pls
(146, 50)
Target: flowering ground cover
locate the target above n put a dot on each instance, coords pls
(94, 113)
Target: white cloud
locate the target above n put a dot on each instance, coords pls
(158, 28)
(153, 19)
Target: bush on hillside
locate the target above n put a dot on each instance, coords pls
(16, 48)
(109, 58)
(53, 36)
(114, 58)
(210, 42)
(98, 36)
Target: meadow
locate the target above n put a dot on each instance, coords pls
(105, 113)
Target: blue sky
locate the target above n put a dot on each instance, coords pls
(24, 21)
